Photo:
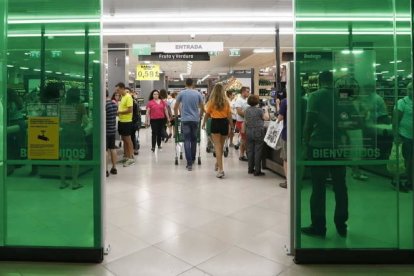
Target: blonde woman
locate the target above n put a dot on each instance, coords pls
(218, 109)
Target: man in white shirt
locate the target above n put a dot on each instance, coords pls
(241, 105)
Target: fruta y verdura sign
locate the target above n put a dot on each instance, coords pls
(176, 56)
(178, 47)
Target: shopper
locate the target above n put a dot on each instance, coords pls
(404, 124)
(253, 128)
(125, 126)
(322, 134)
(231, 98)
(171, 102)
(283, 136)
(218, 109)
(111, 110)
(72, 141)
(241, 105)
(156, 117)
(136, 120)
(164, 97)
(192, 110)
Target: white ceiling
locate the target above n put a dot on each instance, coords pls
(246, 9)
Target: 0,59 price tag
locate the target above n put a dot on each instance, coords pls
(148, 72)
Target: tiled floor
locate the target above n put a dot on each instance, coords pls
(163, 220)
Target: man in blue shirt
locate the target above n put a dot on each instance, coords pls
(192, 110)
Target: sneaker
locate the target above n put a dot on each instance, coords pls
(361, 177)
(250, 171)
(113, 171)
(343, 232)
(129, 162)
(220, 174)
(76, 186)
(153, 149)
(189, 167)
(160, 148)
(311, 231)
(231, 145)
(107, 173)
(136, 152)
(243, 158)
(259, 173)
(283, 185)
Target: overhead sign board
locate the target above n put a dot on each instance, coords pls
(147, 72)
(213, 53)
(176, 56)
(141, 49)
(178, 47)
(234, 52)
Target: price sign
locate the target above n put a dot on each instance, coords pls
(148, 72)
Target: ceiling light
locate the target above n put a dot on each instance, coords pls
(10, 66)
(355, 52)
(83, 52)
(397, 61)
(263, 50)
(344, 69)
(198, 17)
(43, 20)
(24, 68)
(198, 31)
(37, 70)
(367, 18)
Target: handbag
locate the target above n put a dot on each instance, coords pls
(396, 166)
(273, 134)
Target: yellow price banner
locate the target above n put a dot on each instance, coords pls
(148, 72)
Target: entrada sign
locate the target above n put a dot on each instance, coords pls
(174, 47)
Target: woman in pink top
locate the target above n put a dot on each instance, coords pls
(156, 116)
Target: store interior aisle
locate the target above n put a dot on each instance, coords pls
(164, 220)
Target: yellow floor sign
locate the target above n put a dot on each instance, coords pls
(43, 138)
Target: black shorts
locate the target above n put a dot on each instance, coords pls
(110, 141)
(220, 126)
(125, 129)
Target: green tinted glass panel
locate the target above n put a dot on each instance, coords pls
(3, 55)
(51, 192)
(354, 106)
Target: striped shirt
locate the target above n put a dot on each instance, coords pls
(111, 111)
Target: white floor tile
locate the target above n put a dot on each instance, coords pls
(121, 243)
(155, 231)
(269, 245)
(193, 247)
(238, 262)
(194, 272)
(149, 262)
(230, 230)
(257, 216)
(192, 216)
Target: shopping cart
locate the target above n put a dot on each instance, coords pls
(179, 141)
(210, 144)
